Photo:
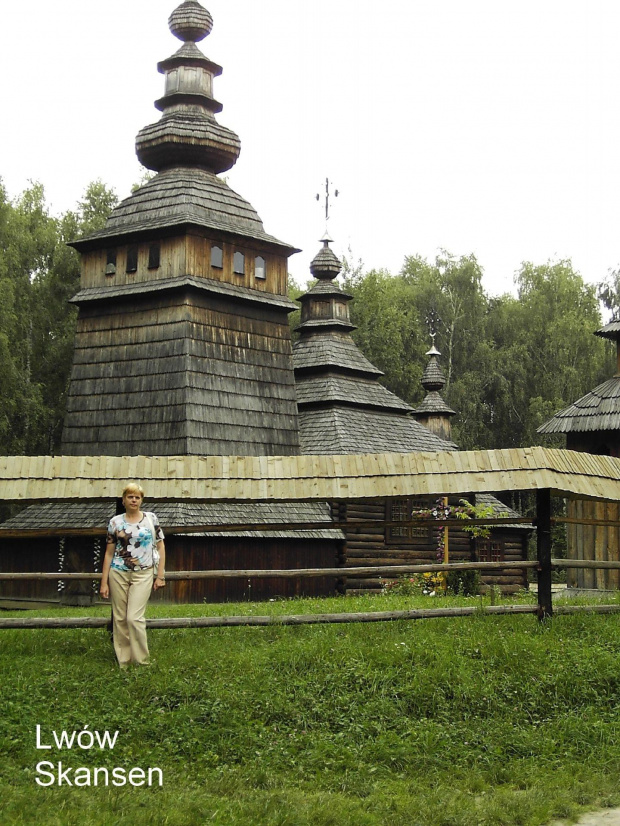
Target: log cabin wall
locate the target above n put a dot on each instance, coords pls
(384, 545)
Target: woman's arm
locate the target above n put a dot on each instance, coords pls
(104, 590)
(160, 579)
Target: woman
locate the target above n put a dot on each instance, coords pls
(134, 552)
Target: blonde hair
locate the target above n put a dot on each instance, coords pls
(133, 487)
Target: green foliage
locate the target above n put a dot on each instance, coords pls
(447, 722)
(38, 275)
(510, 362)
(464, 583)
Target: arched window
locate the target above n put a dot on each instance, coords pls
(239, 263)
(217, 257)
(260, 269)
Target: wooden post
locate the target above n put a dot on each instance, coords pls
(543, 543)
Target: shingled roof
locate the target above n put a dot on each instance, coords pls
(187, 147)
(343, 408)
(179, 197)
(599, 409)
(88, 515)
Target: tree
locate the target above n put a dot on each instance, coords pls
(38, 276)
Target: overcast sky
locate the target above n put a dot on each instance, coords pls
(471, 125)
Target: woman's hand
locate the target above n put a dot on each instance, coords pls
(104, 590)
(160, 582)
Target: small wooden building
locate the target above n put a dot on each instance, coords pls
(592, 425)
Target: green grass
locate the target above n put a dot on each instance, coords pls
(445, 722)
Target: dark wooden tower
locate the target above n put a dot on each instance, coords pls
(592, 425)
(183, 343)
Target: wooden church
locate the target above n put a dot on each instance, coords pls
(592, 425)
(183, 347)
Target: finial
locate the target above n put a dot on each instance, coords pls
(190, 22)
(188, 134)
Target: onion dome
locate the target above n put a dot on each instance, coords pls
(190, 21)
(187, 133)
(325, 265)
(325, 305)
(433, 379)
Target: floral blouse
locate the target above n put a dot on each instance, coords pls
(133, 541)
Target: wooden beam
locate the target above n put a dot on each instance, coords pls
(299, 619)
(291, 619)
(543, 543)
(390, 571)
(351, 526)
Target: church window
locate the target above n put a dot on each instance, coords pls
(132, 258)
(154, 255)
(217, 257)
(260, 270)
(239, 263)
(110, 263)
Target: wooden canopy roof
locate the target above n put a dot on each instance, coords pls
(299, 478)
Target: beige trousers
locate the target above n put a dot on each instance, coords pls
(129, 593)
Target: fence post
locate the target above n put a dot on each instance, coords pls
(543, 547)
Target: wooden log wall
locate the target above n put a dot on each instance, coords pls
(367, 546)
(593, 542)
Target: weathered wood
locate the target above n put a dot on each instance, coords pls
(291, 619)
(543, 543)
(96, 477)
(587, 564)
(292, 572)
(565, 520)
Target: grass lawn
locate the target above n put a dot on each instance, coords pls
(444, 722)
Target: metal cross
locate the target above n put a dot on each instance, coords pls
(318, 197)
(433, 323)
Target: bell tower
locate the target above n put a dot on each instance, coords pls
(182, 343)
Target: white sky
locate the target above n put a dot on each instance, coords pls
(484, 126)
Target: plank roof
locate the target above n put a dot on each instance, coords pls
(311, 478)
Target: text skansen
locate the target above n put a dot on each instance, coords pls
(51, 774)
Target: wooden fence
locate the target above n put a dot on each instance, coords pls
(544, 566)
